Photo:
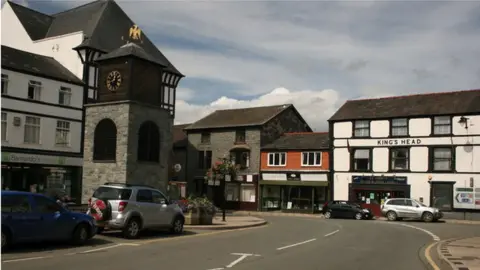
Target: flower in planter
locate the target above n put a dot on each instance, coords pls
(201, 204)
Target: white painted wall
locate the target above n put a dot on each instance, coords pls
(380, 163)
(420, 127)
(379, 129)
(13, 33)
(342, 129)
(473, 126)
(18, 87)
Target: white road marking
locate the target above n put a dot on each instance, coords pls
(216, 269)
(26, 259)
(242, 257)
(434, 236)
(332, 233)
(297, 244)
(102, 248)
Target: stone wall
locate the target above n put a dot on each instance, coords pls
(128, 116)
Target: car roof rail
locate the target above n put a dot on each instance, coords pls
(127, 185)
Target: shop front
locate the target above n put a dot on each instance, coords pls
(42, 174)
(294, 194)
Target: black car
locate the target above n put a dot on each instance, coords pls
(345, 209)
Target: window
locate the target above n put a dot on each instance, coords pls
(105, 140)
(148, 142)
(32, 130)
(4, 84)
(46, 206)
(109, 193)
(399, 159)
(311, 158)
(15, 204)
(247, 193)
(144, 195)
(396, 202)
(232, 192)
(399, 127)
(442, 159)
(62, 134)
(205, 137)
(240, 136)
(241, 158)
(442, 125)
(158, 197)
(361, 160)
(34, 90)
(277, 159)
(64, 96)
(362, 128)
(204, 159)
(4, 126)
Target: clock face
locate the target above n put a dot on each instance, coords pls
(114, 80)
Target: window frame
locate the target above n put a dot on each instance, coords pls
(100, 152)
(4, 126)
(392, 159)
(205, 137)
(394, 127)
(370, 160)
(63, 130)
(37, 89)
(204, 156)
(66, 92)
(450, 125)
(355, 128)
(234, 154)
(240, 136)
(308, 153)
(433, 159)
(30, 125)
(4, 86)
(271, 157)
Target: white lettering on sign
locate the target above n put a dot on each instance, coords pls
(400, 142)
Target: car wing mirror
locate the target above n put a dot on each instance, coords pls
(417, 206)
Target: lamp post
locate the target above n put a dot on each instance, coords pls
(218, 180)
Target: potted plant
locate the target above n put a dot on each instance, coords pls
(200, 211)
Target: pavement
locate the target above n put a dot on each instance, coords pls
(286, 242)
(461, 254)
(230, 223)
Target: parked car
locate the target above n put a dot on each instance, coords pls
(133, 208)
(399, 208)
(345, 209)
(32, 217)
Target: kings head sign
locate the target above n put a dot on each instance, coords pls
(400, 142)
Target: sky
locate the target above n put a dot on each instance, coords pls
(313, 54)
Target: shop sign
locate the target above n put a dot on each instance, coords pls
(41, 159)
(400, 142)
(466, 198)
(293, 177)
(357, 179)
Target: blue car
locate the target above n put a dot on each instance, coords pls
(31, 217)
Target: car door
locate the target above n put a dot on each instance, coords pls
(54, 224)
(347, 211)
(164, 211)
(336, 210)
(411, 208)
(147, 207)
(17, 214)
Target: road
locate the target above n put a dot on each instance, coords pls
(286, 243)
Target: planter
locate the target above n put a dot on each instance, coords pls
(206, 219)
(192, 217)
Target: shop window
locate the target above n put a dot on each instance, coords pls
(277, 159)
(205, 137)
(240, 136)
(362, 160)
(399, 127)
(204, 160)
(361, 128)
(4, 126)
(148, 142)
(442, 125)
(241, 158)
(105, 141)
(34, 90)
(299, 198)
(32, 130)
(64, 96)
(311, 158)
(62, 133)
(232, 192)
(271, 197)
(399, 159)
(442, 159)
(4, 84)
(247, 193)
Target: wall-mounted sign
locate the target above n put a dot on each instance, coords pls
(400, 142)
(396, 180)
(466, 198)
(41, 159)
(293, 177)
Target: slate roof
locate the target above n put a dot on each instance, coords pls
(444, 103)
(131, 49)
(243, 117)
(300, 141)
(104, 24)
(179, 136)
(35, 64)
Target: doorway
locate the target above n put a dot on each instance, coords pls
(441, 195)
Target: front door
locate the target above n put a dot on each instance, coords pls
(441, 195)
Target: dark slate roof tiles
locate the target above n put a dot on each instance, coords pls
(131, 49)
(300, 141)
(35, 23)
(179, 136)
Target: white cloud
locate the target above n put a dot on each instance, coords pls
(315, 106)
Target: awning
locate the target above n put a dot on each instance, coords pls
(294, 183)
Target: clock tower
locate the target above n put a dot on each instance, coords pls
(128, 130)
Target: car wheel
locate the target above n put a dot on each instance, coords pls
(177, 225)
(132, 230)
(5, 240)
(427, 217)
(358, 216)
(328, 215)
(391, 216)
(80, 234)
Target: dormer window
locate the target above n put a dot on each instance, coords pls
(361, 128)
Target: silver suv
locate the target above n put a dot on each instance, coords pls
(132, 208)
(397, 209)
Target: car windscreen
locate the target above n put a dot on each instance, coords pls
(109, 193)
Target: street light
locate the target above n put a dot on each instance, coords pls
(219, 180)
